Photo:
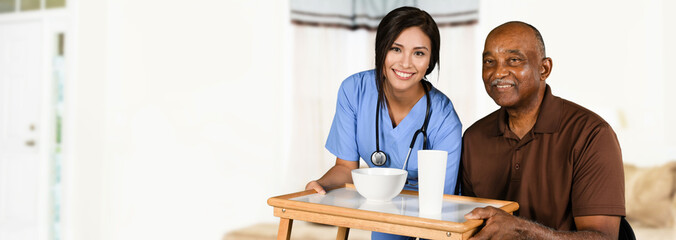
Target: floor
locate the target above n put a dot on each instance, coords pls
(655, 233)
(300, 230)
(311, 231)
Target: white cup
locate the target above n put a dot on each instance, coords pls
(431, 180)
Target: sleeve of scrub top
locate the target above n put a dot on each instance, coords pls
(342, 140)
(449, 138)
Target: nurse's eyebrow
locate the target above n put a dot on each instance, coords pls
(402, 46)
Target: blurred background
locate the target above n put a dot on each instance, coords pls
(140, 119)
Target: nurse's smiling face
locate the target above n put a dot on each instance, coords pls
(407, 60)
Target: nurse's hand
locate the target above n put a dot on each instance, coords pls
(314, 185)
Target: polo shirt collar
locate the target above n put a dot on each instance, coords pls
(548, 120)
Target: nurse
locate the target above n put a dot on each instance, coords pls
(379, 111)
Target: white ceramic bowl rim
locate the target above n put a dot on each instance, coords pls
(379, 171)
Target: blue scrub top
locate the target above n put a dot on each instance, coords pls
(353, 132)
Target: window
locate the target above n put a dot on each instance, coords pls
(55, 4)
(13, 6)
(7, 6)
(28, 5)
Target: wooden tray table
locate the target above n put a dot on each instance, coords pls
(345, 208)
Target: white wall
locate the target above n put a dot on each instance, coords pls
(84, 133)
(176, 111)
(669, 49)
(611, 57)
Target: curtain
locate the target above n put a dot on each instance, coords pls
(333, 39)
(367, 13)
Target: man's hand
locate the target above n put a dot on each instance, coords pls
(502, 225)
(499, 224)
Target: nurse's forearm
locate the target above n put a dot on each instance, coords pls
(336, 176)
(339, 174)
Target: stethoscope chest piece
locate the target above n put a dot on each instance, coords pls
(378, 158)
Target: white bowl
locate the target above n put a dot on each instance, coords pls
(379, 184)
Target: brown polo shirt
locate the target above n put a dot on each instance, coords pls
(568, 165)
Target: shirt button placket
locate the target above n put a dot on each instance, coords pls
(517, 164)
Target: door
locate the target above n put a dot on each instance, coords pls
(21, 71)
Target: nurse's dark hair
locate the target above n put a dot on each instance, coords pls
(389, 29)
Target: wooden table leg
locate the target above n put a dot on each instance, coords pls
(343, 232)
(285, 225)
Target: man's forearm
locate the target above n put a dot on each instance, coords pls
(507, 226)
(532, 230)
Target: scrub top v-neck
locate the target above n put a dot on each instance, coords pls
(400, 136)
(352, 134)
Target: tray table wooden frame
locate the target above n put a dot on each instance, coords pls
(345, 218)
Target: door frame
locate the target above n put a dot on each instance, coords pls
(52, 23)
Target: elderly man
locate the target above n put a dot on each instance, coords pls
(561, 162)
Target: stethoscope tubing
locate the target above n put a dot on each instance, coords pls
(378, 157)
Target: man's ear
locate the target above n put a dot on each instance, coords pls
(545, 68)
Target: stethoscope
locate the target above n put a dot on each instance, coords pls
(379, 158)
